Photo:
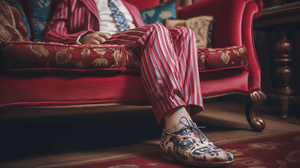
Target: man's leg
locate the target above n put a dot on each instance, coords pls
(168, 66)
(185, 47)
(170, 77)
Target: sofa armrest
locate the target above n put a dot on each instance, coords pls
(229, 16)
(233, 27)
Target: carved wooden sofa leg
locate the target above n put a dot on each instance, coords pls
(257, 98)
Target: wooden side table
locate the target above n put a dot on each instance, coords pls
(282, 19)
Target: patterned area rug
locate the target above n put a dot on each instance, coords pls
(272, 152)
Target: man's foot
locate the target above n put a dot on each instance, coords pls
(173, 119)
(189, 145)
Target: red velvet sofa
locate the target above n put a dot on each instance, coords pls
(26, 89)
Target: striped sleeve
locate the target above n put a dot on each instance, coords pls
(58, 28)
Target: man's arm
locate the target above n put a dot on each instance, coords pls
(57, 30)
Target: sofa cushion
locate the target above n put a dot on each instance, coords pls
(201, 25)
(159, 13)
(12, 27)
(41, 56)
(213, 59)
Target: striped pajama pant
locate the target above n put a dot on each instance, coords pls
(169, 66)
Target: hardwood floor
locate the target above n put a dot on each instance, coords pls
(52, 141)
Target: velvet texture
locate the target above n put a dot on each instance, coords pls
(233, 27)
(70, 89)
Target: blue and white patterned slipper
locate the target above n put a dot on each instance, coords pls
(190, 146)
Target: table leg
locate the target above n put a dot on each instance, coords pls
(284, 70)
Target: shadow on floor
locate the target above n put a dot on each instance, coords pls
(35, 137)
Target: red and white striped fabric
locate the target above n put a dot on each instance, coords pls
(72, 18)
(169, 66)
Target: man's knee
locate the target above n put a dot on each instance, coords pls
(158, 27)
(183, 32)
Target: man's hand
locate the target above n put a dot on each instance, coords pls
(94, 38)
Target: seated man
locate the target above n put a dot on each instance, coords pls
(169, 69)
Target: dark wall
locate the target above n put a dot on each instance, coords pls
(265, 42)
(270, 3)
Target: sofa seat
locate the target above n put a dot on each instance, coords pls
(76, 74)
(22, 56)
(64, 88)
